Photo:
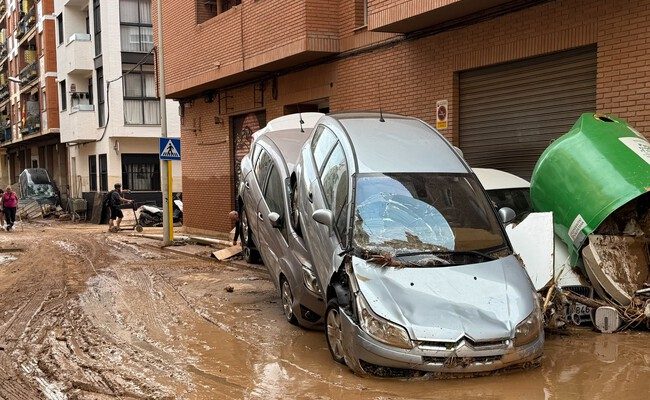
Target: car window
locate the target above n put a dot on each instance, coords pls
(262, 168)
(274, 194)
(518, 199)
(256, 153)
(324, 141)
(335, 187)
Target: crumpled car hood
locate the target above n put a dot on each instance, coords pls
(482, 301)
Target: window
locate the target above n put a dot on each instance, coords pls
(324, 141)
(335, 188)
(262, 168)
(59, 23)
(103, 173)
(64, 95)
(141, 106)
(273, 195)
(360, 13)
(97, 24)
(141, 172)
(206, 9)
(92, 172)
(101, 117)
(135, 26)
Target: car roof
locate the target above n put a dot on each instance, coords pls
(291, 121)
(494, 179)
(399, 144)
(289, 142)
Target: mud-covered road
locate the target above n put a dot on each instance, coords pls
(90, 315)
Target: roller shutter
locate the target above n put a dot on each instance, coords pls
(509, 113)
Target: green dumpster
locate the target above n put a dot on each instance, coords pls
(583, 177)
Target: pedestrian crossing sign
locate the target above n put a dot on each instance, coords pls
(170, 149)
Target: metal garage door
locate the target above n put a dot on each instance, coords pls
(509, 113)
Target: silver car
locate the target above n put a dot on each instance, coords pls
(263, 204)
(413, 262)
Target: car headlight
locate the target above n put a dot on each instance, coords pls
(380, 328)
(528, 330)
(310, 280)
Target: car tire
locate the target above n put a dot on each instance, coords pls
(334, 332)
(251, 255)
(287, 301)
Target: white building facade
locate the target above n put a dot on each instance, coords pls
(108, 100)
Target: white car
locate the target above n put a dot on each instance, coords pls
(508, 190)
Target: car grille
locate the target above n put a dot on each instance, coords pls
(581, 290)
(461, 361)
(473, 344)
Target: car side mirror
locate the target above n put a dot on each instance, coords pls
(276, 220)
(507, 214)
(323, 217)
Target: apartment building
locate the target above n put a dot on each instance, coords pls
(29, 117)
(500, 78)
(108, 96)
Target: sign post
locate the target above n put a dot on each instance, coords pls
(169, 150)
(166, 170)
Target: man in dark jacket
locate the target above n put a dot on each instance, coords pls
(115, 201)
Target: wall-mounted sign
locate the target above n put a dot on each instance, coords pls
(442, 110)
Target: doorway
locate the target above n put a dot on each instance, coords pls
(243, 126)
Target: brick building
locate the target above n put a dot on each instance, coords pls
(29, 115)
(515, 74)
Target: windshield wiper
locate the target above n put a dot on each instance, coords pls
(447, 252)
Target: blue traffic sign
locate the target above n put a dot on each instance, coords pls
(170, 149)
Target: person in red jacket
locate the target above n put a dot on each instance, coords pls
(9, 205)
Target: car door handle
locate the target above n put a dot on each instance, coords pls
(247, 185)
(310, 197)
(259, 215)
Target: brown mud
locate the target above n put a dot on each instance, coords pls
(90, 315)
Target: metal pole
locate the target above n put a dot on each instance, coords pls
(165, 170)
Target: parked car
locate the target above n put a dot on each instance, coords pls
(413, 263)
(508, 190)
(263, 203)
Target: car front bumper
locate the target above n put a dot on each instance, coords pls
(362, 349)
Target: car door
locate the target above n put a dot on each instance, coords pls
(273, 239)
(330, 191)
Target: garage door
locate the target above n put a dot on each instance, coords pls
(509, 113)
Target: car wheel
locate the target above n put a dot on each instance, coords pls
(334, 332)
(287, 301)
(251, 255)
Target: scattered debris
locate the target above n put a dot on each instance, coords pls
(226, 253)
(229, 289)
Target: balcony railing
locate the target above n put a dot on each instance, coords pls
(31, 125)
(4, 92)
(29, 73)
(5, 132)
(27, 23)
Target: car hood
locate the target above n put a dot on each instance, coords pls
(482, 301)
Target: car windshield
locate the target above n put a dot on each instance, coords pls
(403, 214)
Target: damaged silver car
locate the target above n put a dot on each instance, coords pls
(415, 267)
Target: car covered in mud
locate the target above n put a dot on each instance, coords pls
(263, 202)
(35, 183)
(413, 262)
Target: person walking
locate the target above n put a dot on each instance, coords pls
(115, 201)
(9, 202)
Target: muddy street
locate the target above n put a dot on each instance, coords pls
(90, 315)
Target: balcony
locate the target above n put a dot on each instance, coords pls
(80, 125)
(5, 132)
(246, 49)
(410, 16)
(75, 3)
(78, 55)
(29, 74)
(31, 125)
(27, 23)
(4, 92)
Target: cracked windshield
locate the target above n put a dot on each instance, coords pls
(409, 214)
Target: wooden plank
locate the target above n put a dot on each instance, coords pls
(226, 253)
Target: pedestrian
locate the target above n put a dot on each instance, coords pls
(234, 218)
(115, 201)
(2, 214)
(9, 204)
